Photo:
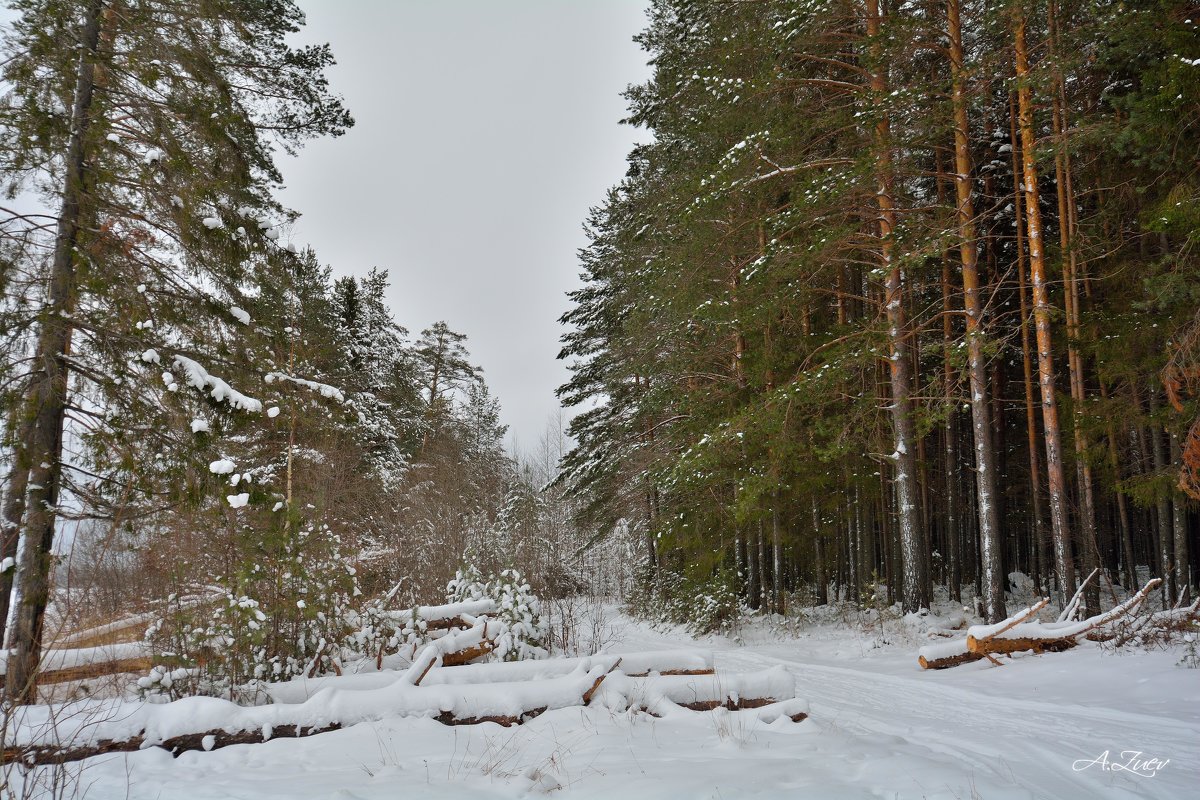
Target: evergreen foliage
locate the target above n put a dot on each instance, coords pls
(792, 235)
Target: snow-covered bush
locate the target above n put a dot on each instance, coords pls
(223, 638)
(1191, 648)
(284, 614)
(377, 632)
(468, 585)
(524, 632)
(163, 684)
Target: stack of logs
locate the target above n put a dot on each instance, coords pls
(507, 693)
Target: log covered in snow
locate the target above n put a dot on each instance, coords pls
(1021, 632)
(645, 664)
(449, 615)
(185, 724)
(203, 723)
(62, 665)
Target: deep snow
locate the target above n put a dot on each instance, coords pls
(1037, 727)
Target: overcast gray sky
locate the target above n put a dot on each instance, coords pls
(485, 130)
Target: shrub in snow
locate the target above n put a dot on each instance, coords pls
(524, 632)
(376, 632)
(467, 585)
(283, 613)
(223, 639)
(163, 684)
(1191, 647)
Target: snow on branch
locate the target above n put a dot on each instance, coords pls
(198, 377)
(323, 389)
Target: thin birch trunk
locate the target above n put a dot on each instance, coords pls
(14, 515)
(762, 598)
(776, 560)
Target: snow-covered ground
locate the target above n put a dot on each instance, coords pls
(1038, 727)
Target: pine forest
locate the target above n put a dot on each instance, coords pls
(876, 401)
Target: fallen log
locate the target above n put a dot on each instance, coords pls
(699, 692)
(130, 629)
(634, 665)
(587, 696)
(62, 665)
(446, 718)
(928, 661)
(85, 672)
(37, 737)
(450, 615)
(41, 739)
(468, 654)
(795, 709)
(1002, 645)
(451, 649)
(215, 739)
(1071, 609)
(1056, 631)
(1006, 625)
(951, 654)
(1175, 619)
(1017, 634)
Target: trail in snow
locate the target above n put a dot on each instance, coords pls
(1007, 724)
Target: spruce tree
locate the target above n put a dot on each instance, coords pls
(152, 139)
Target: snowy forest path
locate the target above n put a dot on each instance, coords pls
(1032, 742)
(1027, 726)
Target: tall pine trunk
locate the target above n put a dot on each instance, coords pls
(1064, 565)
(981, 419)
(1162, 506)
(1041, 541)
(912, 550)
(822, 577)
(1086, 528)
(949, 427)
(46, 397)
